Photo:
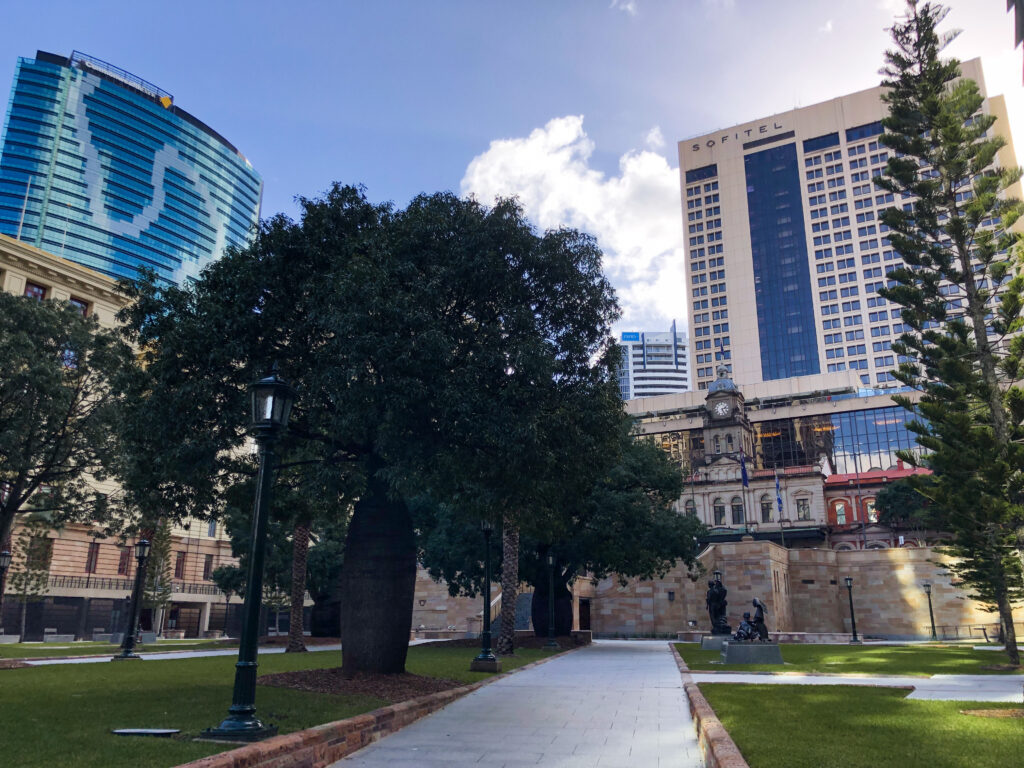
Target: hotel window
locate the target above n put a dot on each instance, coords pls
(872, 514)
(207, 567)
(803, 509)
(211, 530)
(691, 507)
(179, 565)
(80, 304)
(737, 511)
(123, 561)
(93, 557)
(719, 508)
(35, 291)
(766, 509)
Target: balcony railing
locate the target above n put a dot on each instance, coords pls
(125, 585)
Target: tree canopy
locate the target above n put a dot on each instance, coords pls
(427, 345)
(59, 378)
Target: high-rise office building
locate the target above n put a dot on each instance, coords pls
(102, 168)
(653, 364)
(785, 250)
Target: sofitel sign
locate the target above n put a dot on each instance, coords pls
(761, 129)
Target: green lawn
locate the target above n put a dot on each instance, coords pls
(87, 648)
(867, 659)
(62, 714)
(795, 726)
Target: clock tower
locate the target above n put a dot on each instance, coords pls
(727, 430)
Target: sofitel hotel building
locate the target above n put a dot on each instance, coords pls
(785, 250)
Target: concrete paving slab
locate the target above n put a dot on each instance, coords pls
(615, 704)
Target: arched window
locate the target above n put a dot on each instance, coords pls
(839, 507)
(690, 507)
(718, 444)
(869, 505)
(719, 508)
(766, 508)
(728, 443)
(738, 518)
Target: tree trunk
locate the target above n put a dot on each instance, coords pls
(377, 584)
(509, 587)
(300, 548)
(24, 610)
(563, 605)
(1009, 633)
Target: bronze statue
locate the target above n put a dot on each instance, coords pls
(759, 623)
(746, 632)
(716, 604)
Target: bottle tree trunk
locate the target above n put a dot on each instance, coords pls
(300, 549)
(509, 587)
(377, 584)
(24, 610)
(563, 604)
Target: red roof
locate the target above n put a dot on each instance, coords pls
(876, 475)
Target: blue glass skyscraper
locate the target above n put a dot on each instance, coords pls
(102, 168)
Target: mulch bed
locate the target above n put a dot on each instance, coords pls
(391, 688)
(13, 664)
(993, 712)
(283, 640)
(1001, 668)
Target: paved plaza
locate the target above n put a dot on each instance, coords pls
(614, 704)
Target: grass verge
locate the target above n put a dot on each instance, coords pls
(793, 726)
(865, 659)
(63, 714)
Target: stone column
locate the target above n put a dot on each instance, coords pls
(204, 619)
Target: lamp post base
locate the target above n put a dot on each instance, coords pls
(244, 730)
(485, 662)
(126, 657)
(552, 643)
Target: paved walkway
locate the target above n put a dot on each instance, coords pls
(1004, 688)
(614, 704)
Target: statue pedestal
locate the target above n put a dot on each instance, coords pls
(734, 652)
(714, 642)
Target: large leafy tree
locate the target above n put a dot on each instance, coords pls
(961, 306)
(399, 327)
(624, 523)
(59, 375)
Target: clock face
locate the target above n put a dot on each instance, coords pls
(722, 409)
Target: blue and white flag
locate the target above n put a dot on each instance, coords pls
(778, 491)
(743, 470)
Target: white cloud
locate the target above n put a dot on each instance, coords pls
(826, 27)
(654, 138)
(626, 6)
(635, 215)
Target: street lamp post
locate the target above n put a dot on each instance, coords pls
(931, 615)
(142, 547)
(272, 401)
(486, 661)
(853, 619)
(551, 643)
(5, 563)
(717, 575)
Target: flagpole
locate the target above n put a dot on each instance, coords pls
(778, 501)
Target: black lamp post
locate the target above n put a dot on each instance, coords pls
(931, 615)
(5, 563)
(853, 619)
(142, 547)
(551, 643)
(486, 661)
(718, 576)
(272, 401)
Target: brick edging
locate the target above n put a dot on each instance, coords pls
(322, 745)
(717, 747)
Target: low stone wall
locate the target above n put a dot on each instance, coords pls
(716, 745)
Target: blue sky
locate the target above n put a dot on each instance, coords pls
(575, 106)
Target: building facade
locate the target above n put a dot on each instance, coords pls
(653, 363)
(90, 577)
(785, 250)
(100, 167)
